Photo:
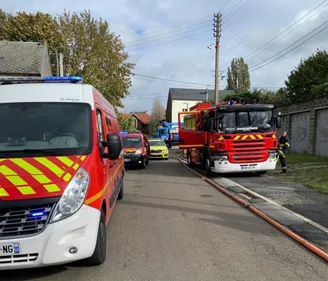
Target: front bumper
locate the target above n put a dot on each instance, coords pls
(133, 160)
(228, 167)
(51, 247)
(159, 155)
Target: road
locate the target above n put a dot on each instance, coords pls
(173, 226)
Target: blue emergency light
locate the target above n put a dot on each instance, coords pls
(72, 79)
(123, 132)
(38, 214)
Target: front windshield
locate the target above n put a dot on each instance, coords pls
(157, 143)
(34, 129)
(252, 121)
(131, 142)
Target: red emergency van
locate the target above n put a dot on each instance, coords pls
(61, 171)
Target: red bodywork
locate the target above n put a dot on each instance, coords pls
(239, 147)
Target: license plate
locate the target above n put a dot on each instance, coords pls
(247, 167)
(9, 249)
(127, 160)
(155, 154)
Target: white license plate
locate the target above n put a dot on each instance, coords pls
(9, 249)
(247, 167)
(155, 154)
(127, 160)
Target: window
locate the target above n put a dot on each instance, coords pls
(132, 142)
(45, 128)
(258, 121)
(100, 126)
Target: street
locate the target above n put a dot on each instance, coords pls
(173, 226)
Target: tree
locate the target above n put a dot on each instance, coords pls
(96, 54)
(126, 123)
(238, 76)
(308, 80)
(157, 113)
(90, 49)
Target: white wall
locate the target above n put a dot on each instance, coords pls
(179, 105)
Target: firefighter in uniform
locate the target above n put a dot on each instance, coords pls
(283, 148)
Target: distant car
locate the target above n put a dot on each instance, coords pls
(158, 149)
(135, 149)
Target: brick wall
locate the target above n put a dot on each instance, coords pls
(306, 124)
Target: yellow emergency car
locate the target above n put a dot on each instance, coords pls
(158, 149)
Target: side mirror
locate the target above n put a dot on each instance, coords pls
(278, 122)
(114, 145)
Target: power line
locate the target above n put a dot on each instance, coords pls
(255, 67)
(288, 29)
(191, 35)
(166, 33)
(171, 80)
(168, 37)
(237, 10)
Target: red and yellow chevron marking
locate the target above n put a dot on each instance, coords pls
(248, 137)
(98, 195)
(22, 178)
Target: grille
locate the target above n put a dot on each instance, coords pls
(27, 258)
(21, 222)
(249, 151)
(156, 150)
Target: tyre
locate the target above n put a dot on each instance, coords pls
(206, 164)
(121, 194)
(189, 161)
(143, 164)
(99, 255)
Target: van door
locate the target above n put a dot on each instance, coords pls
(102, 131)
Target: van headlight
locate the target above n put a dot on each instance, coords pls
(73, 197)
(138, 152)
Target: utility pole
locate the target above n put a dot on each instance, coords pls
(217, 36)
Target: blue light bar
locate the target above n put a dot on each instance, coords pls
(37, 214)
(124, 133)
(72, 79)
(63, 78)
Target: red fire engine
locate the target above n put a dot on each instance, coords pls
(230, 138)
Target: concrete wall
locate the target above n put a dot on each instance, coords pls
(306, 124)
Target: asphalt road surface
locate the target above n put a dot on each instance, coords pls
(173, 226)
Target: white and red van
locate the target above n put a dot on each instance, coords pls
(61, 171)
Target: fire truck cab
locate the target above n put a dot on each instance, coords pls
(230, 138)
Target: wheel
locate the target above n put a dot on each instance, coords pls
(206, 164)
(121, 194)
(189, 161)
(143, 164)
(99, 255)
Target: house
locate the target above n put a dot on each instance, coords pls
(142, 121)
(24, 59)
(180, 99)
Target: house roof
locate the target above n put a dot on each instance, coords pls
(195, 94)
(22, 57)
(143, 117)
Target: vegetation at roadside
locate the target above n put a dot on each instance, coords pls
(90, 49)
(312, 171)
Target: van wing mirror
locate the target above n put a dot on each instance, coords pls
(278, 122)
(114, 145)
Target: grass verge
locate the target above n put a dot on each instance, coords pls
(309, 170)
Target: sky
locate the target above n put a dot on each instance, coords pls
(168, 40)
